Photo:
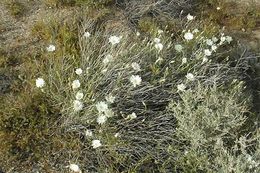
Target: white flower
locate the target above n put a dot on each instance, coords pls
(218, 8)
(135, 80)
(160, 31)
(178, 47)
(110, 98)
(77, 105)
(101, 119)
(188, 36)
(136, 66)
(79, 95)
(108, 58)
(78, 71)
(101, 106)
(138, 34)
(74, 168)
(190, 17)
(40, 82)
(109, 113)
(214, 47)
(229, 39)
(75, 84)
(190, 76)
(195, 31)
(132, 116)
(157, 40)
(184, 60)
(158, 46)
(204, 60)
(222, 39)
(207, 52)
(209, 42)
(51, 48)
(88, 133)
(214, 39)
(96, 143)
(181, 87)
(117, 135)
(114, 40)
(86, 35)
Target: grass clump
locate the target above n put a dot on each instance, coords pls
(128, 96)
(15, 7)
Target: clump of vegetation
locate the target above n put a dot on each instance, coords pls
(168, 98)
(15, 7)
(59, 3)
(129, 97)
(94, 3)
(230, 14)
(210, 122)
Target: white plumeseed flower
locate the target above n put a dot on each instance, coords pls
(136, 66)
(109, 113)
(160, 31)
(190, 17)
(184, 60)
(101, 119)
(138, 34)
(51, 48)
(96, 143)
(178, 47)
(135, 80)
(75, 84)
(195, 31)
(86, 35)
(218, 8)
(181, 87)
(40, 82)
(229, 39)
(209, 42)
(101, 106)
(117, 135)
(108, 58)
(214, 39)
(204, 60)
(157, 40)
(110, 98)
(158, 46)
(222, 39)
(78, 71)
(132, 116)
(214, 47)
(188, 36)
(114, 39)
(190, 76)
(77, 105)
(79, 95)
(74, 168)
(88, 133)
(207, 52)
